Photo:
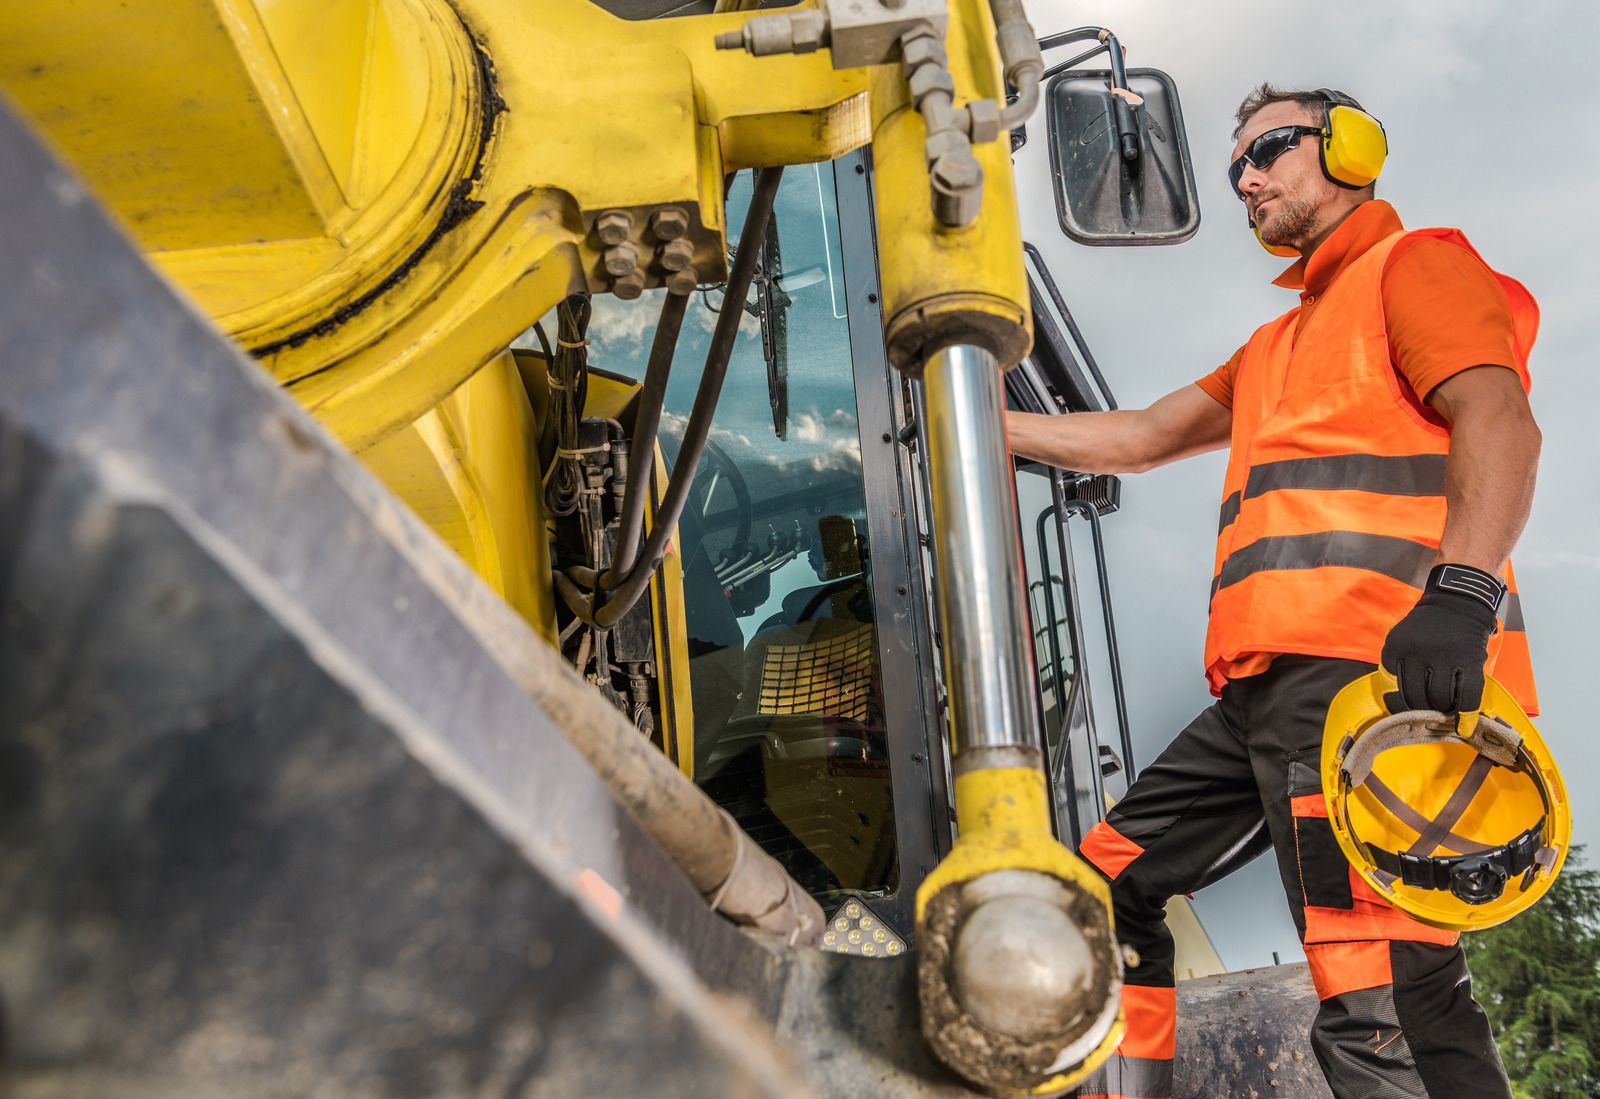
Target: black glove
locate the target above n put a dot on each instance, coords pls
(1437, 651)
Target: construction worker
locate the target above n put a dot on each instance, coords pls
(1382, 466)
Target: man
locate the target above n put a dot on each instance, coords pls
(1380, 430)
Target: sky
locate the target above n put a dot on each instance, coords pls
(1488, 113)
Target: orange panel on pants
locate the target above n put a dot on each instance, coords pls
(1108, 850)
(1347, 947)
(1142, 1066)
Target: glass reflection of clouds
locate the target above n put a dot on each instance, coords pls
(822, 443)
(777, 572)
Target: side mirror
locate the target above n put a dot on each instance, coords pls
(1120, 159)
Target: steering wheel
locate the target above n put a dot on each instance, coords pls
(717, 470)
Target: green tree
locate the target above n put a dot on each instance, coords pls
(1538, 978)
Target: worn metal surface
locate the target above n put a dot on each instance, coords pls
(853, 1023)
(1246, 1035)
(274, 812)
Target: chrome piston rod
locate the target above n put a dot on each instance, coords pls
(988, 658)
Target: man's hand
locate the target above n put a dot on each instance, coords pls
(1437, 652)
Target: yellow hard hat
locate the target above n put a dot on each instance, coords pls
(1461, 830)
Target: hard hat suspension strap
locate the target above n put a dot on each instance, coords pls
(1479, 874)
(1475, 878)
(1471, 783)
(1415, 820)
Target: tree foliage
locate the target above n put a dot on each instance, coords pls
(1538, 978)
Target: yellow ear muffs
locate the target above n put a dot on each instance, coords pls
(1354, 145)
(1276, 249)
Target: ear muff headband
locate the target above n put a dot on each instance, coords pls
(1354, 145)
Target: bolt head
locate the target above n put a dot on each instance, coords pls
(613, 227)
(920, 51)
(683, 282)
(621, 258)
(669, 223)
(957, 171)
(629, 286)
(676, 255)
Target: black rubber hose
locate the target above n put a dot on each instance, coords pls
(630, 530)
(699, 429)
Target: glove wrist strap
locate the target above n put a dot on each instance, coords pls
(1484, 587)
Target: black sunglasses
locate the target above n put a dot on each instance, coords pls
(1267, 148)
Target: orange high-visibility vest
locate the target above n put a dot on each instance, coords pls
(1334, 502)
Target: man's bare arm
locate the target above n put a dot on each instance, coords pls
(1187, 422)
(1494, 456)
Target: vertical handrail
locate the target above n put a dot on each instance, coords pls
(1072, 326)
(1063, 761)
(1126, 735)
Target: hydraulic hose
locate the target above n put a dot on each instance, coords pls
(651, 397)
(1020, 56)
(699, 430)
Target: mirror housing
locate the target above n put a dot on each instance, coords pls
(1102, 198)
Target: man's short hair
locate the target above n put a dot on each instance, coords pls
(1268, 94)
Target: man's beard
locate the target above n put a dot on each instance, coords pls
(1292, 222)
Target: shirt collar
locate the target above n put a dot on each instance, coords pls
(1365, 226)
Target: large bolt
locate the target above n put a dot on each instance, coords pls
(785, 32)
(613, 226)
(621, 258)
(629, 286)
(923, 50)
(1021, 967)
(957, 185)
(676, 255)
(683, 282)
(669, 223)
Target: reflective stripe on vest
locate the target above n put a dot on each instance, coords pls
(1334, 503)
(1392, 475)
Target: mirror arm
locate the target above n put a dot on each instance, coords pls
(1073, 63)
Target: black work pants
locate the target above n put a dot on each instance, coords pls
(1397, 1016)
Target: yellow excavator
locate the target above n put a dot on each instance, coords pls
(513, 578)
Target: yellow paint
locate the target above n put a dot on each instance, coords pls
(941, 285)
(469, 468)
(796, 137)
(672, 638)
(155, 106)
(315, 41)
(1004, 824)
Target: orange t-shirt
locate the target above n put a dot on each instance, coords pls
(1444, 309)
